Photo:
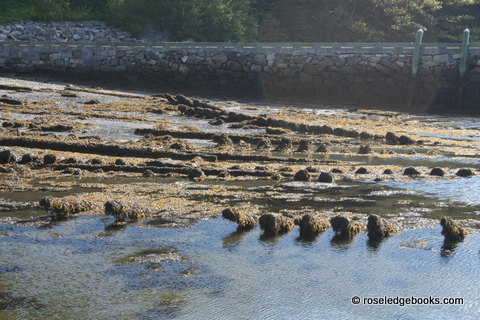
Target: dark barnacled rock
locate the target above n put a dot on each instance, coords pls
(325, 177)
(302, 175)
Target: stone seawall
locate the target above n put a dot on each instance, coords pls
(359, 75)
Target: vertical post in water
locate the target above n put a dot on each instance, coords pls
(463, 66)
(415, 60)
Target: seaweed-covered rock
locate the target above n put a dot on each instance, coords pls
(264, 144)
(216, 122)
(93, 101)
(65, 207)
(388, 171)
(28, 158)
(322, 148)
(327, 129)
(391, 137)
(243, 146)
(120, 162)
(361, 170)
(302, 175)
(345, 227)
(285, 145)
(277, 130)
(339, 132)
(196, 175)
(272, 223)
(311, 225)
(180, 98)
(352, 133)
(379, 228)
(11, 101)
(451, 231)
(58, 128)
(97, 161)
(223, 140)
(148, 173)
(326, 177)
(365, 135)
(364, 149)
(7, 156)
(404, 140)
(244, 220)
(124, 212)
(171, 99)
(49, 159)
(304, 145)
(182, 145)
(71, 160)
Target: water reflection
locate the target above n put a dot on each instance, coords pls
(340, 240)
(234, 238)
(448, 248)
(374, 244)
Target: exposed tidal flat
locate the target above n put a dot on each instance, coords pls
(111, 207)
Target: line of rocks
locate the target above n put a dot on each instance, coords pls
(311, 225)
(63, 31)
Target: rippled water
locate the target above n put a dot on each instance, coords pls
(225, 274)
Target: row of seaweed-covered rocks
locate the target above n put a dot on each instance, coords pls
(68, 31)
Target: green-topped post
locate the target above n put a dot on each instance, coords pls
(463, 66)
(416, 52)
(415, 60)
(464, 52)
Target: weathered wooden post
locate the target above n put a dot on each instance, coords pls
(463, 67)
(415, 60)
